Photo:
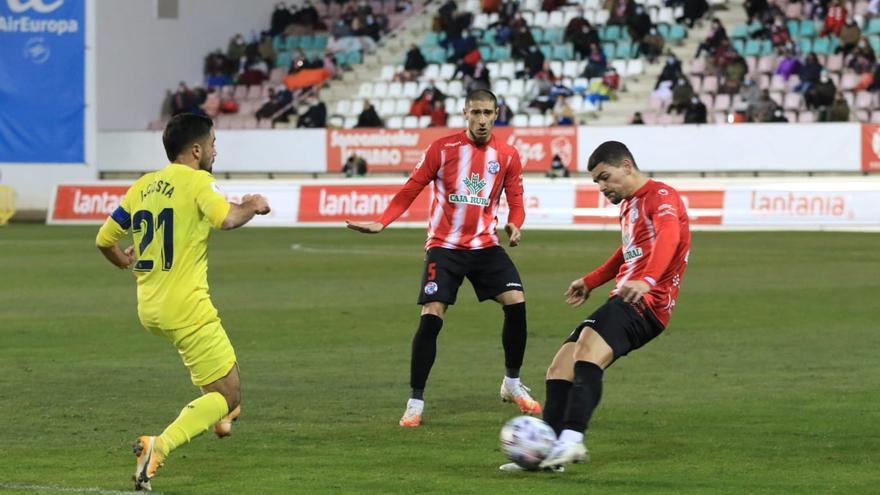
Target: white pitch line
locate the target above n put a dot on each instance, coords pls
(306, 249)
(61, 489)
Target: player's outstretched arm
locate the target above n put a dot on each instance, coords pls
(365, 227)
(577, 293)
(240, 214)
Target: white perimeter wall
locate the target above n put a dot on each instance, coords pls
(141, 57)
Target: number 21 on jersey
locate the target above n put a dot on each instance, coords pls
(143, 225)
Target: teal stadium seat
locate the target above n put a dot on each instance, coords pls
(553, 35)
(430, 39)
(663, 30)
(354, 57)
(538, 34)
(279, 44)
(808, 29)
(753, 48)
(610, 33)
(488, 37)
(501, 53)
(283, 59)
(740, 30)
(293, 42)
(547, 50)
(306, 42)
(874, 40)
(766, 47)
(805, 45)
(563, 51)
(739, 44)
(873, 26)
(677, 33)
(793, 28)
(320, 41)
(486, 53)
(822, 46)
(625, 50)
(609, 48)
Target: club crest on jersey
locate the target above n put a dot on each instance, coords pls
(431, 288)
(474, 185)
(494, 167)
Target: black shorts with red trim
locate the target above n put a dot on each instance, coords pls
(490, 271)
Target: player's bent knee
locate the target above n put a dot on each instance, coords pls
(434, 308)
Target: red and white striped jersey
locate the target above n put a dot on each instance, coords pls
(467, 182)
(656, 242)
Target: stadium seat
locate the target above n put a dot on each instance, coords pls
(722, 102)
(455, 88)
(677, 33)
(513, 103)
(517, 87)
(806, 117)
(283, 60)
(387, 73)
(386, 107)
(424, 121)
(380, 89)
(446, 71)
(563, 51)
(865, 100)
(808, 28)
(556, 20)
(710, 84)
(350, 122)
(793, 101)
(501, 86)
(873, 26)
(410, 90)
(740, 30)
(410, 122)
(455, 121)
(610, 33)
(520, 120)
(402, 106)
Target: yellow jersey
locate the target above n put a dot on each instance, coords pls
(170, 212)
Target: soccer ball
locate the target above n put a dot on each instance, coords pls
(527, 441)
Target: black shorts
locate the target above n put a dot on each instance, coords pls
(623, 326)
(490, 271)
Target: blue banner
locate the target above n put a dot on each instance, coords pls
(42, 81)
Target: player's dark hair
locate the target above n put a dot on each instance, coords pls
(611, 153)
(481, 95)
(184, 130)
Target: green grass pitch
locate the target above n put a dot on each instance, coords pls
(766, 381)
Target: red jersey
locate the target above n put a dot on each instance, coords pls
(656, 243)
(468, 179)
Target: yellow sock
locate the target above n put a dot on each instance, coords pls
(194, 419)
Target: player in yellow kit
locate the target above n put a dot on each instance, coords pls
(171, 212)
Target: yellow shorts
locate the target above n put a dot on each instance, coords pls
(204, 348)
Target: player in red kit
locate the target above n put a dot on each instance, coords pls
(648, 267)
(468, 171)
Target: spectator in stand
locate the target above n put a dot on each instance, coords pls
(780, 36)
(850, 35)
(438, 115)
(838, 111)
(479, 79)
(278, 99)
(862, 59)
(694, 10)
(754, 9)
(184, 100)
(557, 168)
(306, 20)
(682, 93)
(810, 73)
(507, 10)
(315, 116)
(652, 45)
(369, 117)
(562, 112)
(875, 80)
(596, 63)
(637, 119)
(749, 95)
(432, 86)
(663, 93)
(490, 6)
(534, 61)
(521, 41)
(252, 71)
(266, 50)
(539, 95)
(671, 71)
(415, 63)
(504, 112)
(281, 18)
(713, 40)
(575, 26)
(551, 5)
(236, 48)
(584, 39)
(789, 64)
(696, 112)
(403, 6)
(778, 116)
(835, 19)
(354, 165)
(639, 24)
(818, 8)
(619, 11)
(874, 8)
(218, 79)
(423, 104)
(761, 110)
(820, 94)
(734, 74)
(340, 29)
(468, 64)
(611, 79)
(329, 64)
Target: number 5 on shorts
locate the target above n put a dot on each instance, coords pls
(432, 271)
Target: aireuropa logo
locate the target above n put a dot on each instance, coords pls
(37, 50)
(19, 6)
